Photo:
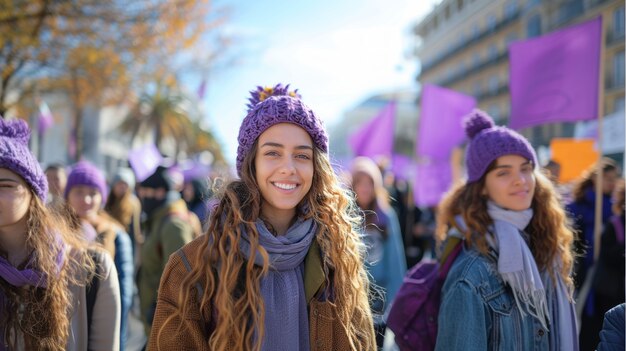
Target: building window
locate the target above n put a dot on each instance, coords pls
(493, 84)
(510, 9)
(494, 112)
(618, 105)
(493, 52)
(618, 22)
(475, 31)
(476, 60)
(618, 69)
(512, 36)
(477, 89)
(491, 22)
(533, 27)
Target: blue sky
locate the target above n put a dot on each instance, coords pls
(337, 53)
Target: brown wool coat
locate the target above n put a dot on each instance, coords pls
(326, 332)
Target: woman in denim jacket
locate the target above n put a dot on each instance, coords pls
(510, 287)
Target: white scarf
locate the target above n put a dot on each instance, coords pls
(517, 267)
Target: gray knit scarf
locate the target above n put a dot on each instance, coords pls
(518, 268)
(286, 317)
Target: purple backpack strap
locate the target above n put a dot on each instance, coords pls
(619, 228)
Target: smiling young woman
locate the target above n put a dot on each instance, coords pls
(510, 287)
(281, 265)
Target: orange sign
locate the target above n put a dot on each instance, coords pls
(574, 156)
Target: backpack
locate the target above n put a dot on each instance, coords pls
(413, 314)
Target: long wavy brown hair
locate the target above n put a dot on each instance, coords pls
(42, 314)
(241, 313)
(587, 179)
(121, 208)
(550, 231)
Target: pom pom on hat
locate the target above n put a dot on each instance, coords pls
(476, 122)
(274, 105)
(488, 142)
(16, 156)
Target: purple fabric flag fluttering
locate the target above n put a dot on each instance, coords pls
(376, 137)
(144, 161)
(554, 78)
(45, 120)
(201, 89)
(440, 127)
(432, 180)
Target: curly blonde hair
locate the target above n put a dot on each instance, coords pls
(241, 313)
(550, 230)
(42, 314)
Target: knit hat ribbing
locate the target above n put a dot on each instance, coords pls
(488, 142)
(270, 106)
(85, 173)
(16, 156)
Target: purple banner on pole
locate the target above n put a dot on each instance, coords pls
(440, 122)
(45, 120)
(432, 180)
(554, 78)
(376, 137)
(144, 161)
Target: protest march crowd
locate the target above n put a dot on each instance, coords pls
(293, 255)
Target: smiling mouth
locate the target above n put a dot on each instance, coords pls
(285, 186)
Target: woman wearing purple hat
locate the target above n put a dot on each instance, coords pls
(510, 287)
(86, 193)
(281, 266)
(44, 266)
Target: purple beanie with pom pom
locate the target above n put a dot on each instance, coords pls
(272, 105)
(16, 156)
(488, 142)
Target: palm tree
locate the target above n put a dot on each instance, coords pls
(167, 114)
(164, 113)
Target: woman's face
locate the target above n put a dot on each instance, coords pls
(15, 199)
(363, 187)
(511, 184)
(609, 180)
(120, 188)
(85, 200)
(284, 168)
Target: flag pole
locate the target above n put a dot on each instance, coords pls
(597, 229)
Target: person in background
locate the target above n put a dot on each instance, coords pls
(169, 225)
(608, 280)
(582, 212)
(612, 333)
(510, 287)
(85, 193)
(281, 265)
(57, 178)
(385, 260)
(553, 171)
(45, 267)
(124, 206)
(196, 194)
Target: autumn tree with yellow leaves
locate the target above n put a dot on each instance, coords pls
(97, 52)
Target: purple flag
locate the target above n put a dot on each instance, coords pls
(376, 137)
(45, 120)
(431, 182)
(554, 78)
(201, 89)
(440, 122)
(402, 166)
(144, 161)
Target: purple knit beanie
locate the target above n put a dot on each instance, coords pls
(488, 142)
(15, 155)
(269, 106)
(85, 173)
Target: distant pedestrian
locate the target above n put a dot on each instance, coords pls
(123, 205)
(45, 267)
(85, 193)
(385, 260)
(509, 288)
(281, 266)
